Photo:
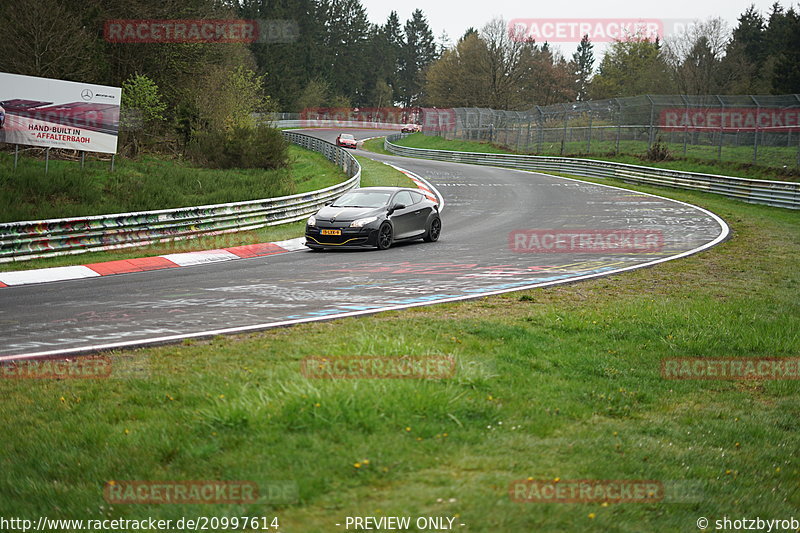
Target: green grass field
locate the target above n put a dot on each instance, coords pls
(311, 171)
(145, 184)
(557, 383)
(632, 153)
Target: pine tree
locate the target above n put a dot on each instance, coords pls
(583, 65)
(419, 49)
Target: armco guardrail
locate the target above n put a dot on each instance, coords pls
(773, 193)
(32, 239)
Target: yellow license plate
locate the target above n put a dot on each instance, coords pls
(331, 232)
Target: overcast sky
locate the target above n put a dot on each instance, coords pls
(455, 16)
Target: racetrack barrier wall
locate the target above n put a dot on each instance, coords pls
(43, 238)
(773, 193)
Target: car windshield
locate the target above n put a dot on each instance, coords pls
(347, 136)
(363, 199)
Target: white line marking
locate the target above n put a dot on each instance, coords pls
(200, 258)
(42, 275)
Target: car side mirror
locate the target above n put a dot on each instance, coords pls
(329, 202)
(395, 207)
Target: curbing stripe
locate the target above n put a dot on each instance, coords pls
(24, 277)
(256, 250)
(199, 258)
(125, 266)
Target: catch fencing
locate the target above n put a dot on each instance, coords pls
(43, 238)
(762, 129)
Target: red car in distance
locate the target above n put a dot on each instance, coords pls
(346, 140)
(411, 128)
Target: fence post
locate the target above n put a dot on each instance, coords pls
(46, 159)
(564, 136)
(686, 123)
(798, 150)
(540, 133)
(798, 141)
(528, 135)
(721, 131)
(650, 134)
(619, 123)
(16, 155)
(755, 134)
(589, 140)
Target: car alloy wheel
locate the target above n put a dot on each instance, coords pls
(434, 231)
(385, 236)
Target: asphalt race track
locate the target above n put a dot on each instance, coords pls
(473, 258)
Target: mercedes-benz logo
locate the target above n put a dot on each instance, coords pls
(86, 94)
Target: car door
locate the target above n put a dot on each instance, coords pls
(403, 219)
(421, 211)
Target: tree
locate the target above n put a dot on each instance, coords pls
(395, 42)
(745, 55)
(237, 95)
(291, 65)
(346, 43)
(317, 93)
(695, 57)
(142, 108)
(498, 70)
(443, 43)
(548, 78)
(786, 76)
(750, 34)
(470, 31)
(582, 66)
(419, 49)
(632, 66)
(43, 38)
(456, 79)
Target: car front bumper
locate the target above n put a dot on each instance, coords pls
(350, 238)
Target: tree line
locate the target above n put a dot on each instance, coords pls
(495, 68)
(340, 59)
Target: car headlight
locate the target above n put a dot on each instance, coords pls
(361, 222)
(312, 221)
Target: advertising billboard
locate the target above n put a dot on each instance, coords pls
(59, 114)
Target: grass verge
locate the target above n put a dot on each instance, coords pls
(147, 184)
(373, 174)
(558, 383)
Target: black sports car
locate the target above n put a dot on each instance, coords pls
(374, 216)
